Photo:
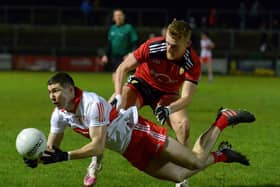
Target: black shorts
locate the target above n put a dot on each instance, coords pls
(113, 64)
(150, 96)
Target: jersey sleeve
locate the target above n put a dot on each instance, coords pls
(142, 52)
(194, 73)
(57, 124)
(98, 113)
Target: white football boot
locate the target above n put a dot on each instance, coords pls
(92, 171)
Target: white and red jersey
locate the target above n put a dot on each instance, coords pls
(161, 73)
(92, 110)
(138, 141)
(206, 48)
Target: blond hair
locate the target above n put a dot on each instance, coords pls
(179, 29)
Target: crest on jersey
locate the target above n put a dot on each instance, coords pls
(181, 71)
(134, 81)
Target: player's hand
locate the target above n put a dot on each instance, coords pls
(30, 163)
(162, 113)
(117, 101)
(56, 155)
(104, 59)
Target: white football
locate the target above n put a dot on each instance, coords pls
(31, 143)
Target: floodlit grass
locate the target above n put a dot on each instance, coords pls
(24, 103)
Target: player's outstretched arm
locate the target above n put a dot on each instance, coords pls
(94, 148)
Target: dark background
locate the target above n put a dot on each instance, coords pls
(170, 5)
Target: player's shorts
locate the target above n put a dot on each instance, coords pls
(114, 62)
(205, 59)
(147, 142)
(148, 95)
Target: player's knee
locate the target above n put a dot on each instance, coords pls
(180, 178)
(129, 98)
(198, 164)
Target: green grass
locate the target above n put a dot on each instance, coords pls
(24, 103)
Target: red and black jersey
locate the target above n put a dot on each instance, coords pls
(161, 73)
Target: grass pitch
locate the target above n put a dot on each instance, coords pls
(24, 103)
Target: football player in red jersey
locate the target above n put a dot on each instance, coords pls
(162, 66)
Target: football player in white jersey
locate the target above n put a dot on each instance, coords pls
(206, 46)
(143, 143)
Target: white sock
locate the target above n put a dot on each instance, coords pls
(184, 183)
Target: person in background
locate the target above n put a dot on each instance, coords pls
(212, 18)
(87, 9)
(206, 46)
(122, 39)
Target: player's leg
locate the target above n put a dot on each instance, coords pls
(225, 118)
(170, 150)
(181, 155)
(209, 70)
(130, 97)
(116, 61)
(179, 122)
(92, 171)
(164, 170)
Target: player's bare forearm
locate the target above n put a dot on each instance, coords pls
(187, 93)
(129, 64)
(54, 139)
(181, 103)
(95, 147)
(89, 150)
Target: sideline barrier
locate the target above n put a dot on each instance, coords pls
(254, 67)
(52, 63)
(34, 63)
(92, 64)
(6, 62)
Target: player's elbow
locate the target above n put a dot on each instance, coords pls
(123, 68)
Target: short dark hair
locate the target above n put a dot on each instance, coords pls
(64, 79)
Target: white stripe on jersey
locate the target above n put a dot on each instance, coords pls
(188, 63)
(158, 47)
(147, 129)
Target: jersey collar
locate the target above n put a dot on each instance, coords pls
(76, 100)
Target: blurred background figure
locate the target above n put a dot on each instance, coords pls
(212, 18)
(264, 45)
(206, 45)
(242, 15)
(87, 9)
(122, 39)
